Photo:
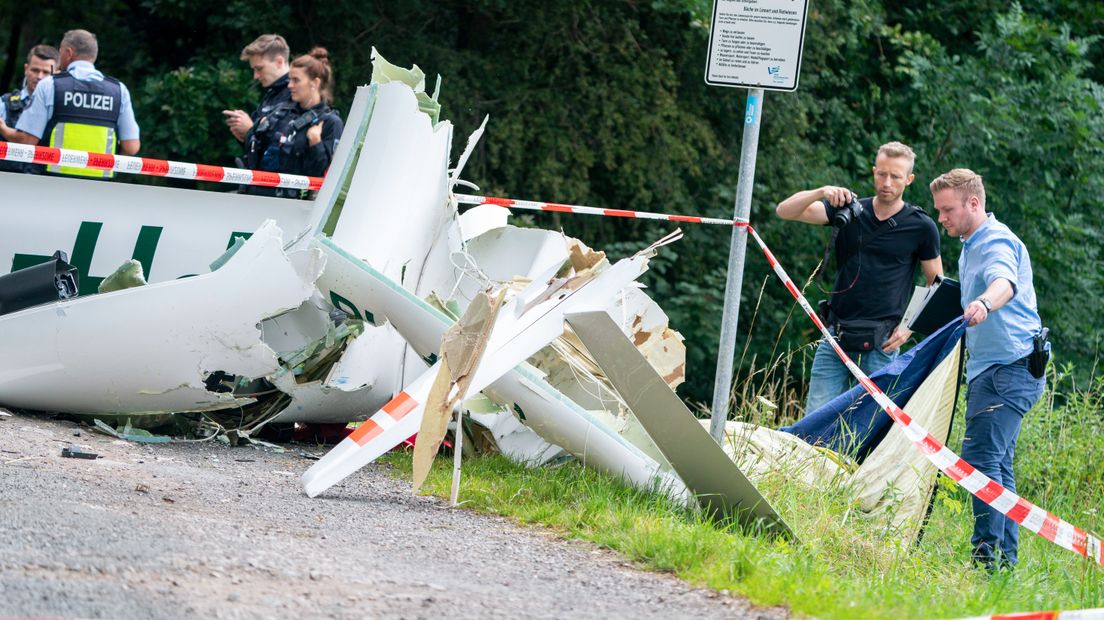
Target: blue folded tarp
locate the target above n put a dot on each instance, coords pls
(852, 423)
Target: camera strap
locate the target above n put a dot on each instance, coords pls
(886, 225)
(822, 270)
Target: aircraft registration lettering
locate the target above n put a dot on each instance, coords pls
(88, 240)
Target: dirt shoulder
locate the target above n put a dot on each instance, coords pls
(201, 530)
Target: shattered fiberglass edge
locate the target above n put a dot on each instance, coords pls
(423, 327)
(156, 365)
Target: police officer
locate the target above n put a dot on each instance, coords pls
(79, 108)
(42, 61)
(303, 141)
(268, 57)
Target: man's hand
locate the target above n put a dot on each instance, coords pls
(5, 131)
(897, 338)
(238, 122)
(836, 196)
(975, 313)
(314, 134)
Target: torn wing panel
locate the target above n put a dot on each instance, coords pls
(399, 188)
(150, 348)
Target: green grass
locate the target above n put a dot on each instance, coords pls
(846, 566)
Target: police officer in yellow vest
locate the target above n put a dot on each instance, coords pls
(79, 108)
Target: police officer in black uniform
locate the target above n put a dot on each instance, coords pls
(268, 58)
(42, 61)
(303, 137)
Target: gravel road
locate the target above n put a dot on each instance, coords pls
(201, 530)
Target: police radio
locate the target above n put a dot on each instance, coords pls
(307, 119)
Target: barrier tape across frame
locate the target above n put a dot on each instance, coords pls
(25, 153)
(1008, 503)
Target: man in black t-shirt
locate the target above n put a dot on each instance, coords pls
(876, 253)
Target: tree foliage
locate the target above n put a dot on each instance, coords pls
(602, 102)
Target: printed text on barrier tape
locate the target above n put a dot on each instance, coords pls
(1039, 521)
(153, 167)
(510, 203)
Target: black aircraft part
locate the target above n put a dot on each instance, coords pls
(46, 282)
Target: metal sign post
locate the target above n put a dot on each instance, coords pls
(754, 44)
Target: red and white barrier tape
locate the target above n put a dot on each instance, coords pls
(1076, 614)
(1039, 521)
(10, 151)
(561, 208)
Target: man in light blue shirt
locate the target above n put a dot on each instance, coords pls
(79, 107)
(999, 300)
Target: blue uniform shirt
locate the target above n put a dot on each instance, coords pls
(38, 114)
(24, 95)
(992, 252)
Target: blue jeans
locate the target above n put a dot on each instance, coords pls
(996, 401)
(829, 378)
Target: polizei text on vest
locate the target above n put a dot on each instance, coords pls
(89, 101)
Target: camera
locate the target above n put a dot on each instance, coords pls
(845, 214)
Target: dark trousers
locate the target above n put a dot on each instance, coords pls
(996, 401)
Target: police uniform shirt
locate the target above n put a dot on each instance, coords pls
(37, 116)
(24, 96)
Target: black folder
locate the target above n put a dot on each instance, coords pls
(942, 305)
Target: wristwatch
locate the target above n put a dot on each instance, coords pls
(985, 302)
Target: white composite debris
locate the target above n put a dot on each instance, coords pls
(400, 187)
(511, 437)
(396, 213)
(506, 254)
(291, 331)
(512, 341)
(473, 140)
(352, 388)
(502, 254)
(482, 219)
(149, 349)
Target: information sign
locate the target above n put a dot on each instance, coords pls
(756, 43)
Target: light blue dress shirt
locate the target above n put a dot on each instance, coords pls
(37, 116)
(993, 252)
(24, 95)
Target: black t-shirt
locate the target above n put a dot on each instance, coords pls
(886, 265)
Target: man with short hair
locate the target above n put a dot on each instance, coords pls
(80, 108)
(878, 243)
(268, 56)
(1002, 385)
(42, 61)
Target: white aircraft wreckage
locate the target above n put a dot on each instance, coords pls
(375, 302)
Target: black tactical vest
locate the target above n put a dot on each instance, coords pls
(13, 109)
(87, 102)
(13, 106)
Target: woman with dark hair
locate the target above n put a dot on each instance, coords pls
(309, 134)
